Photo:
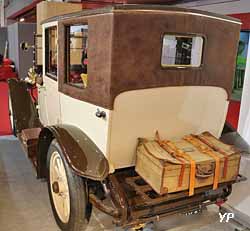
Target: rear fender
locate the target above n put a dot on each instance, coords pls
(81, 153)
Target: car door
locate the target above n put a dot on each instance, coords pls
(50, 103)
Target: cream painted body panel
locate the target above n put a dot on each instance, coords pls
(82, 115)
(173, 111)
(51, 112)
(42, 109)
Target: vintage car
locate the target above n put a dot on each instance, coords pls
(113, 75)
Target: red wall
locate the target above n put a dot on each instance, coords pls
(245, 19)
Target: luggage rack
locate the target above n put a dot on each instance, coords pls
(145, 190)
(150, 196)
(136, 202)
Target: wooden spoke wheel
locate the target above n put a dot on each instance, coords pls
(59, 187)
(67, 191)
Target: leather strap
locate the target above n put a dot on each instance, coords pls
(168, 145)
(173, 154)
(192, 165)
(217, 149)
(168, 150)
(206, 150)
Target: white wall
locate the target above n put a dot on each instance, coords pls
(244, 121)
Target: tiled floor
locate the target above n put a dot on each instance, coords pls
(24, 203)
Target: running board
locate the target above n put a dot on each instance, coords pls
(29, 140)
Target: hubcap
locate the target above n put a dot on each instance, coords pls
(55, 187)
(59, 187)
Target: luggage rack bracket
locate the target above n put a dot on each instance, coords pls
(138, 202)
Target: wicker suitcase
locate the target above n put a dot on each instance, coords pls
(185, 164)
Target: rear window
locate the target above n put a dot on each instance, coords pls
(182, 51)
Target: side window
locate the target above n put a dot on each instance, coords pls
(51, 52)
(182, 51)
(77, 55)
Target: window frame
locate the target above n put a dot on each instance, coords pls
(91, 94)
(67, 52)
(178, 66)
(46, 55)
